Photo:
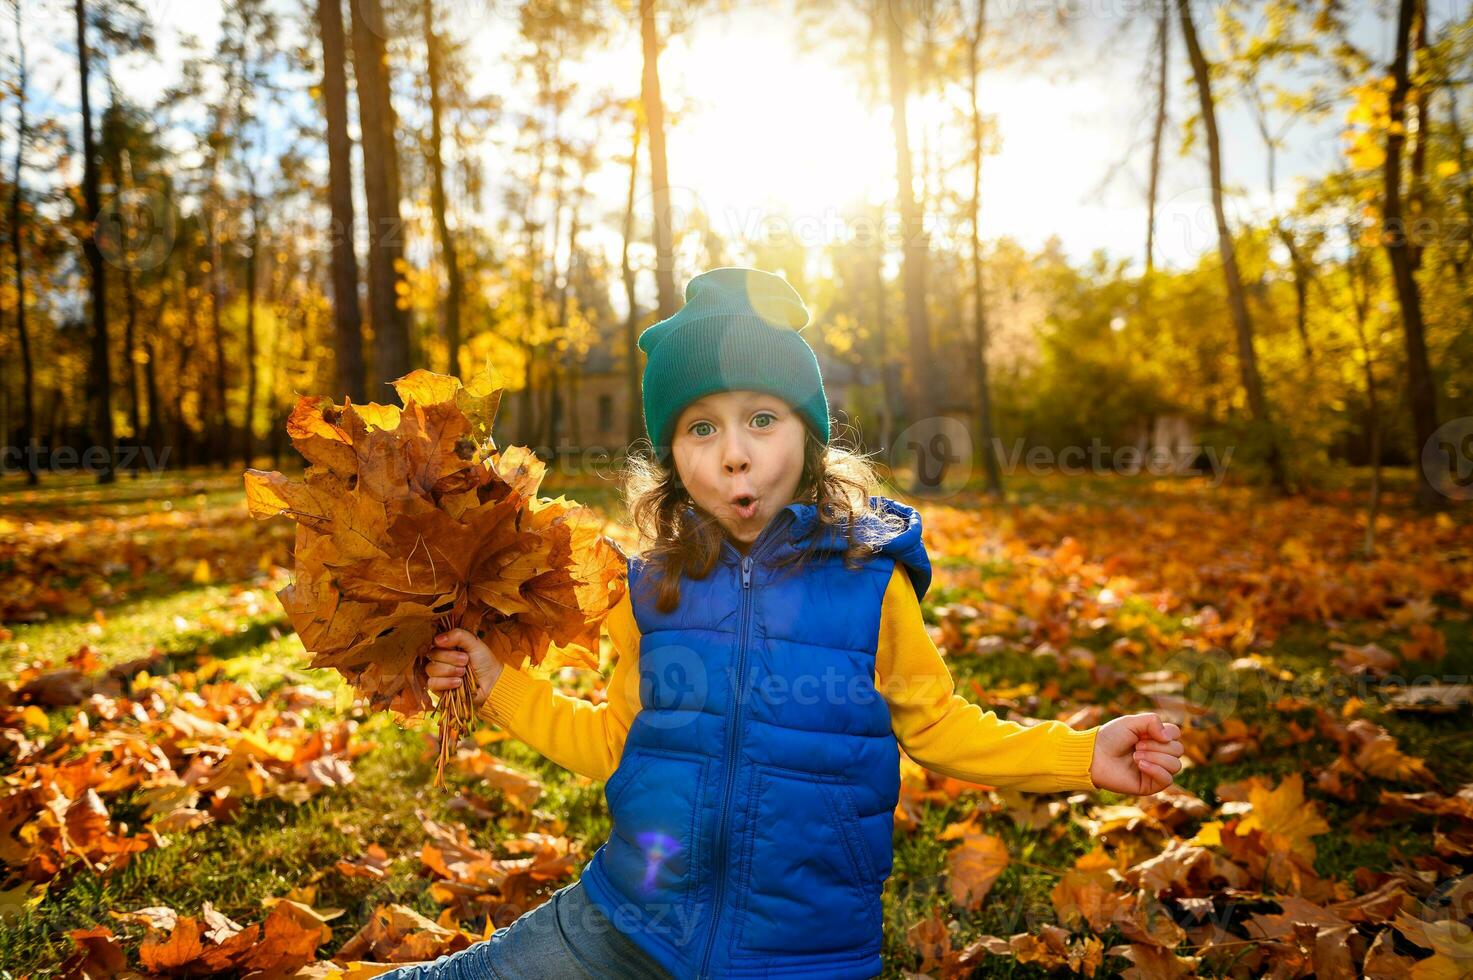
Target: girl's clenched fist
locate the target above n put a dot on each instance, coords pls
(451, 653)
(1138, 754)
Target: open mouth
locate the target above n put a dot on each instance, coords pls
(744, 506)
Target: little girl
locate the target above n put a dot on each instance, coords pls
(772, 661)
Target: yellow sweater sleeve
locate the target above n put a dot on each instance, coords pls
(576, 734)
(946, 733)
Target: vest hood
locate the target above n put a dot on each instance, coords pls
(904, 546)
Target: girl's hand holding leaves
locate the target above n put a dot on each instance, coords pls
(457, 652)
(410, 523)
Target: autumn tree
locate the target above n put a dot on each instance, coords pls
(347, 315)
(379, 125)
(654, 120)
(915, 249)
(138, 238)
(19, 219)
(1400, 247)
(119, 25)
(555, 34)
(1237, 300)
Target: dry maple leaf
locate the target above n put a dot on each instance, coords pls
(398, 934)
(972, 867)
(1285, 817)
(411, 522)
(1154, 962)
(1087, 892)
(97, 955)
(286, 941)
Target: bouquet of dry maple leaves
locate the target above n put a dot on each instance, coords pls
(410, 522)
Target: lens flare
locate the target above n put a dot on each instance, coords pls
(657, 847)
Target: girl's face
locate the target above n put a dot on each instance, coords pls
(740, 454)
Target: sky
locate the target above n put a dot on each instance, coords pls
(776, 136)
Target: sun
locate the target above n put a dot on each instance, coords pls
(772, 141)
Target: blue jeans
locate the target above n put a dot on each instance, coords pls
(566, 936)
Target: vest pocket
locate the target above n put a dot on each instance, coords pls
(653, 800)
(849, 822)
(808, 881)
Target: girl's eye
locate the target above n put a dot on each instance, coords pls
(764, 415)
(695, 425)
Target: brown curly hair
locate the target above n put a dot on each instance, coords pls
(839, 479)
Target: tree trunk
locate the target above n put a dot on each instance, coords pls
(1417, 193)
(1302, 274)
(634, 420)
(1460, 253)
(220, 452)
(575, 428)
(575, 436)
(1360, 304)
(100, 370)
(179, 427)
(347, 316)
(247, 428)
(391, 358)
(275, 417)
(17, 243)
(130, 364)
(217, 288)
(1237, 301)
(654, 111)
(1421, 391)
(122, 184)
(552, 412)
(526, 417)
(53, 420)
(455, 288)
(154, 434)
(979, 301)
(1158, 130)
(914, 252)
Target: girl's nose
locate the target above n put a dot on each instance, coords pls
(735, 458)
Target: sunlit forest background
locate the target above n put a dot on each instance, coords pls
(1160, 309)
(1245, 225)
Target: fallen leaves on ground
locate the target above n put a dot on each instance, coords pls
(1177, 607)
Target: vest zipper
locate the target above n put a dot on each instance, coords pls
(731, 751)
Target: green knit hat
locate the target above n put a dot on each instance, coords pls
(737, 330)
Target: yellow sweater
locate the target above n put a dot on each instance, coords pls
(938, 728)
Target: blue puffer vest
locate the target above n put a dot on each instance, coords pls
(753, 804)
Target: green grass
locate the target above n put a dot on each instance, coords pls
(171, 624)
